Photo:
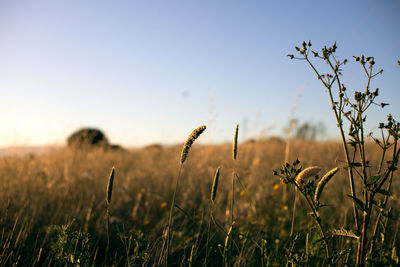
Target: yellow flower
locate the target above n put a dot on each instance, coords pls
(276, 186)
(249, 216)
(146, 222)
(163, 205)
(241, 193)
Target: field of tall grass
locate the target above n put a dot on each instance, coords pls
(53, 206)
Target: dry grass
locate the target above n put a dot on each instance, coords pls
(64, 186)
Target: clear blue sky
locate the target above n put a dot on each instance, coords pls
(151, 71)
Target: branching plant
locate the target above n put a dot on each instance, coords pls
(374, 182)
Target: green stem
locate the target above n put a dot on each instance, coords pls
(386, 199)
(318, 222)
(363, 242)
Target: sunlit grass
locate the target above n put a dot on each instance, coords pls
(69, 188)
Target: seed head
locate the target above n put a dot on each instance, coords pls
(306, 173)
(110, 186)
(189, 142)
(235, 141)
(215, 185)
(324, 180)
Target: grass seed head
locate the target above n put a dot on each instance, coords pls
(189, 142)
(215, 185)
(324, 180)
(306, 173)
(235, 141)
(110, 186)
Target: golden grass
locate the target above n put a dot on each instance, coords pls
(53, 189)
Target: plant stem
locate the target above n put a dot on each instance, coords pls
(166, 243)
(233, 197)
(293, 212)
(107, 231)
(386, 199)
(318, 222)
(340, 126)
(366, 218)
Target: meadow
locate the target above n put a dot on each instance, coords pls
(53, 206)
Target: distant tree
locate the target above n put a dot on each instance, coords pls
(88, 138)
(305, 131)
(310, 131)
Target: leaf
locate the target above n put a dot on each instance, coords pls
(245, 191)
(186, 214)
(355, 164)
(344, 232)
(358, 202)
(383, 192)
(373, 179)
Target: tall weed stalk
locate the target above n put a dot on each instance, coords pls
(375, 185)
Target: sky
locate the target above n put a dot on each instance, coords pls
(151, 71)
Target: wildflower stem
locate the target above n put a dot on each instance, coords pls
(340, 126)
(389, 185)
(293, 212)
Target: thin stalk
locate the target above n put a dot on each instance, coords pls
(293, 212)
(307, 249)
(368, 198)
(108, 231)
(166, 243)
(346, 151)
(389, 185)
(366, 218)
(208, 232)
(382, 159)
(233, 196)
(317, 220)
(263, 254)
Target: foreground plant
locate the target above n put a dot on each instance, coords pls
(108, 202)
(70, 247)
(375, 181)
(185, 151)
(301, 180)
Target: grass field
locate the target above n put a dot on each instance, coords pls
(53, 207)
